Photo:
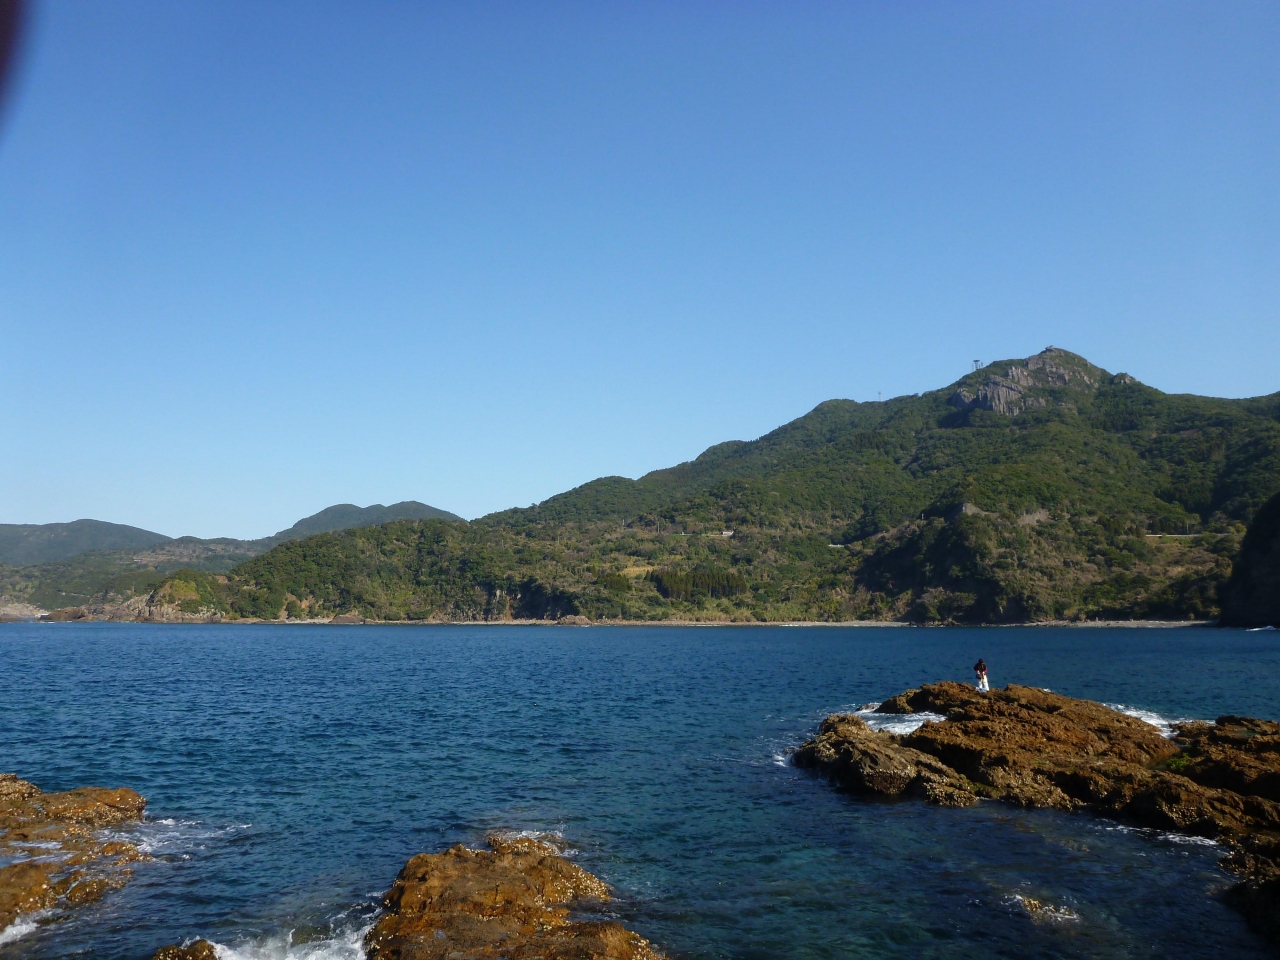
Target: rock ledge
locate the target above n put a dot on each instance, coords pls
(51, 843)
(1034, 748)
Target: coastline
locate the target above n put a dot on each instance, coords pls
(584, 622)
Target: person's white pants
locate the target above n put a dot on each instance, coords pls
(982, 685)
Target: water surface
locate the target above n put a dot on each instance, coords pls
(292, 770)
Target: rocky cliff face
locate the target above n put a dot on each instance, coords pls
(1024, 383)
(51, 846)
(1251, 598)
(1033, 748)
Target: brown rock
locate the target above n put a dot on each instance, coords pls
(347, 618)
(66, 613)
(874, 762)
(24, 888)
(87, 866)
(1039, 749)
(510, 901)
(1236, 753)
(200, 950)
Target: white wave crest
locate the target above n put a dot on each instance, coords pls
(19, 928)
(896, 723)
(1164, 724)
(346, 944)
(552, 838)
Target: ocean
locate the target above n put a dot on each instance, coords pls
(291, 771)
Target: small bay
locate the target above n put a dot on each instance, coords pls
(291, 770)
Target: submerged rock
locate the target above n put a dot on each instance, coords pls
(509, 901)
(200, 950)
(1034, 748)
(51, 840)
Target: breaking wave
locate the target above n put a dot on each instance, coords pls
(174, 839)
(19, 929)
(345, 944)
(1164, 724)
(896, 723)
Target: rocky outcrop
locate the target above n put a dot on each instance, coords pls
(1034, 748)
(200, 950)
(1014, 391)
(53, 849)
(1251, 598)
(510, 901)
(871, 762)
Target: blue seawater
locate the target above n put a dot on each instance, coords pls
(292, 770)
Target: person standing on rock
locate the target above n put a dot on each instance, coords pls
(980, 671)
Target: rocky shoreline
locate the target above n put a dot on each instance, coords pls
(52, 846)
(1037, 749)
(138, 611)
(509, 901)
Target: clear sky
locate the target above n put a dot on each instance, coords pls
(261, 257)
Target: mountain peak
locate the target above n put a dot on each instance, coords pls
(1011, 386)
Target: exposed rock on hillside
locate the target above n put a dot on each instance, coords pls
(1015, 391)
(508, 902)
(1034, 748)
(1251, 598)
(52, 848)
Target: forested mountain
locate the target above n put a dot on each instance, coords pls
(22, 544)
(1031, 489)
(1018, 436)
(344, 516)
(65, 564)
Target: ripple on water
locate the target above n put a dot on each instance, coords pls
(291, 773)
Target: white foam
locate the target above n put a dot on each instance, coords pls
(19, 929)
(173, 838)
(1166, 836)
(1164, 724)
(897, 723)
(346, 944)
(552, 838)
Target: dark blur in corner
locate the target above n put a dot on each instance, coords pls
(12, 17)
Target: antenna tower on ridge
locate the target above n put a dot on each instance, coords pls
(977, 365)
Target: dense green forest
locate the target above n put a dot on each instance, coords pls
(57, 565)
(1033, 489)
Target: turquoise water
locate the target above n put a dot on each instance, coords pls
(292, 770)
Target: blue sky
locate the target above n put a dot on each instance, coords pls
(261, 257)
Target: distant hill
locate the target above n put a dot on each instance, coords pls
(23, 544)
(49, 569)
(344, 516)
(1033, 489)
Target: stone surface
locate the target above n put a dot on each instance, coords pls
(200, 950)
(1234, 753)
(1034, 748)
(873, 762)
(510, 901)
(51, 840)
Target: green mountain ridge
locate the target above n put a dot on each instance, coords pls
(1031, 489)
(25, 544)
(93, 562)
